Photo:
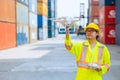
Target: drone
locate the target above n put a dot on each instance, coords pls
(65, 21)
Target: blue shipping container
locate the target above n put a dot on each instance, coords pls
(118, 34)
(51, 4)
(42, 21)
(107, 3)
(51, 14)
(117, 4)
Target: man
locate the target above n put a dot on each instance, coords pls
(92, 57)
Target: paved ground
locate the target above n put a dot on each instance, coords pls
(48, 60)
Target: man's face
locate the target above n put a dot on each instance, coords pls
(91, 33)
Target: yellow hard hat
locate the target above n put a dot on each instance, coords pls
(93, 26)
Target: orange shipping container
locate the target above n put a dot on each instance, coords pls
(43, 1)
(7, 8)
(94, 10)
(42, 9)
(7, 35)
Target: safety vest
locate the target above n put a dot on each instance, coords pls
(81, 62)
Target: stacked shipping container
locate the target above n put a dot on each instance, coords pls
(22, 22)
(94, 11)
(117, 3)
(42, 14)
(107, 21)
(33, 20)
(51, 14)
(7, 24)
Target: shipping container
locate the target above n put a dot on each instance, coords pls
(94, 19)
(107, 34)
(32, 20)
(45, 32)
(42, 21)
(117, 4)
(51, 31)
(94, 2)
(42, 33)
(51, 5)
(42, 9)
(118, 34)
(33, 35)
(7, 35)
(25, 2)
(94, 10)
(22, 34)
(43, 1)
(22, 14)
(107, 3)
(107, 15)
(33, 6)
(7, 13)
(51, 14)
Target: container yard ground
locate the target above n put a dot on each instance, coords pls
(48, 60)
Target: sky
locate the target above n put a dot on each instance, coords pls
(70, 8)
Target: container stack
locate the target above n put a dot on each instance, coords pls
(7, 24)
(94, 11)
(22, 22)
(55, 15)
(107, 21)
(117, 3)
(51, 14)
(33, 21)
(42, 14)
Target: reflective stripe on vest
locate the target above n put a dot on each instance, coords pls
(81, 62)
(100, 54)
(83, 53)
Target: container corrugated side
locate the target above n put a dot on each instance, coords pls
(51, 5)
(7, 35)
(94, 10)
(25, 2)
(94, 2)
(22, 34)
(118, 34)
(7, 8)
(32, 19)
(117, 4)
(22, 13)
(40, 33)
(33, 6)
(45, 32)
(107, 34)
(42, 9)
(43, 1)
(107, 15)
(107, 3)
(42, 21)
(33, 35)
